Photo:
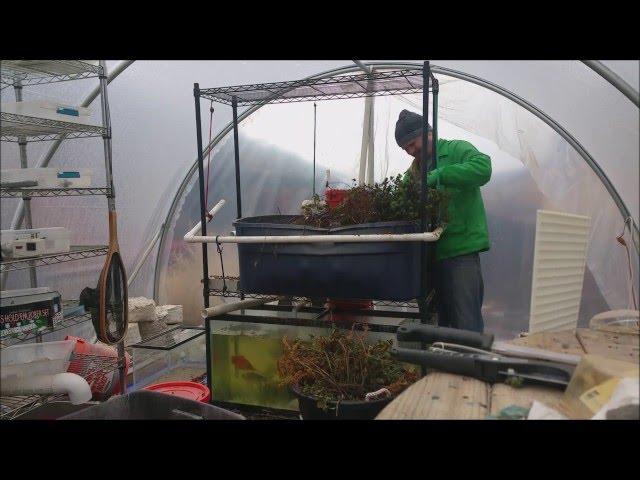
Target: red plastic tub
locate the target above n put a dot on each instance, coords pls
(334, 197)
(189, 390)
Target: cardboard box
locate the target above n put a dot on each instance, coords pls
(592, 385)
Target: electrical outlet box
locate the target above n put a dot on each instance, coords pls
(28, 248)
(35, 241)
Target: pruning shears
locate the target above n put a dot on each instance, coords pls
(476, 355)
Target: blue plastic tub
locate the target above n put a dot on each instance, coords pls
(376, 270)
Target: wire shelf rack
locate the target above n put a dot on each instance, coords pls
(14, 406)
(37, 72)
(232, 291)
(52, 192)
(36, 129)
(93, 368)
(392, 82)
(76, 253)
(31, 335)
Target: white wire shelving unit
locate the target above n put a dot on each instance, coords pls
(36, 72)
(24, 129)
(75, 253)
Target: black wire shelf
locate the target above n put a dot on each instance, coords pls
(232, 291)
(389, 82)
(15, 127)
(52, 192)
(38, 72)
(76, 253)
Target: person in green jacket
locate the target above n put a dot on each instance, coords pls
(460, 170)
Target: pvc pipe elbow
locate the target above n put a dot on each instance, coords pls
(73, 385)
(76, 387)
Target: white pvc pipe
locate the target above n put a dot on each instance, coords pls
(521, 351)
(366, 124)
(232, 307)
(73, 385)
(191, 236)
(212, 212)
(382, 237)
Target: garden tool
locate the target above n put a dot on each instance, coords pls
(113, 311)
(468, 353)
(113, 308)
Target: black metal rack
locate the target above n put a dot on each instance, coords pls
(375, 83)
(229, 287)
(394, 82)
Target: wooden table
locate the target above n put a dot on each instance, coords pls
(446, 396)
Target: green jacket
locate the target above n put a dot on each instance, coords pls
(461, 171)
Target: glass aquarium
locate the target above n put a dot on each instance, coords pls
(179, 354)
(245, 348)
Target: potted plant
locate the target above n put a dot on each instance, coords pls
(341, 376)
(393, 199)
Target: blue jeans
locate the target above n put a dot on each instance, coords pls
(460, 291)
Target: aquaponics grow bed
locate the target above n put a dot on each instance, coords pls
(389, 263)
(386, 270)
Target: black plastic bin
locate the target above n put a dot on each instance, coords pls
(345, 410)
(372, 270)
(146, 405)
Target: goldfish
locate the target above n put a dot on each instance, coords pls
(240, 362)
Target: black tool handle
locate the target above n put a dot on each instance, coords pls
(460, 364)
(430, 334)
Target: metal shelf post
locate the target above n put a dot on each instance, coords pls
(28, 221)
(203, 202)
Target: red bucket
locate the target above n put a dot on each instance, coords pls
(334, 197)
(347, 305)
(189, 390)
(98, 365)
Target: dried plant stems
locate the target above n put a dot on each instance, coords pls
(342, 366)
(392, 199)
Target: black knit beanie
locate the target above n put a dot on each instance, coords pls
(408, 127)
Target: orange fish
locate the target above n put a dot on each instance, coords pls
(240, 362)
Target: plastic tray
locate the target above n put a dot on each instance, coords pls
(31, 359)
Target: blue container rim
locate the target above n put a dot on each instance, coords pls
(256, 222)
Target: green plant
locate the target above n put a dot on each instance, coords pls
(342, 366)
(390, 200)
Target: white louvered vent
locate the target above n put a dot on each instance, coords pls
(559, 259)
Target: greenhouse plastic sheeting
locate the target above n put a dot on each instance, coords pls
(154, 148)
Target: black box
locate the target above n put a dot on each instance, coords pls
(23, 311)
